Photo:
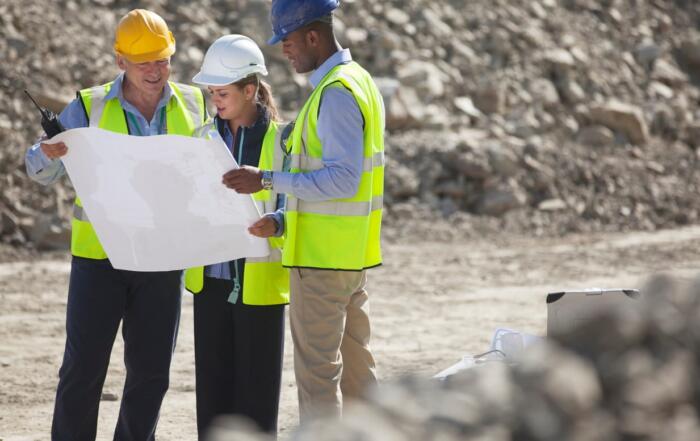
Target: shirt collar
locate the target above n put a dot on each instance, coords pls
(116, 92)
(341, 57)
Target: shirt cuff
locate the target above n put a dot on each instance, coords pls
(278, 216)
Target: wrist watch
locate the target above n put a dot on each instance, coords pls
(266, 180)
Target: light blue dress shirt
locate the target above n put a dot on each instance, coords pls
(340, 129)
(46, 171)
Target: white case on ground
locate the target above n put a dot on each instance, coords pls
(566, 309)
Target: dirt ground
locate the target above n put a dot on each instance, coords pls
(431, 304)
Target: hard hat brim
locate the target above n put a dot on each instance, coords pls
(212, 80)
(275, 39)
(151, 56)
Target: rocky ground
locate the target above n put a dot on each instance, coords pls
(431, 304)
(554, 117)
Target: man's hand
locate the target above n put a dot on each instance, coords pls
(244, 180)
(53, 151)
(266, 226)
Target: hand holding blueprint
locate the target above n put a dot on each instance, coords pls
(157, 202)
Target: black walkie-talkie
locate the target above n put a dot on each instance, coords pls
(49, 122)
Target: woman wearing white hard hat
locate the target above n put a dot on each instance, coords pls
(239, 325)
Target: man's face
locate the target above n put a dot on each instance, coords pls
(149, 77)
(296, 47)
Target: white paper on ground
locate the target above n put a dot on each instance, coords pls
(157, 202)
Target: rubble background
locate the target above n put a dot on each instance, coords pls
(543, 118)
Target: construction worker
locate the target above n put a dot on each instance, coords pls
(239, 305)
(140, 102)
(334, 206)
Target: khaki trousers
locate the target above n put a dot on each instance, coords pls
(329, 318)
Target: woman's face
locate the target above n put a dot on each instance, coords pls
(231, 101)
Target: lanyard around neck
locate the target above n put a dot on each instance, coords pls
(137, 128)
(240, 147)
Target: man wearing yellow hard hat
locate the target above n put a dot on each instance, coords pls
(140, 102)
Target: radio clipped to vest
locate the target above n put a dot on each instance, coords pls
(49, 122)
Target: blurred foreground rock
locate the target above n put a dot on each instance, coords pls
(626, 375)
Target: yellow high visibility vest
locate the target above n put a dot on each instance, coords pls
(265, 281)
(341, 234)
(184, 112)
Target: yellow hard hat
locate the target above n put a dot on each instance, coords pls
(143, 36)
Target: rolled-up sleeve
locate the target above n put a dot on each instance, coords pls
(341, 131)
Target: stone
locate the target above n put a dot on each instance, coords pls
(425, 77)
(195, 54)
(355, 36)
(552, 205)
(655, 167)
(624, 118)
(596, 135)
(503, 161)
(401, 181)
(647, 53)
(571, 92)
(404, 110)
(466, 105)
(438, 27)
(388, 88)
(397, 16)
(48, 234)
(561, 61)
(668, 73)
(497, 202)
(471, 164)
(690, 51)
(543, 91)
(660, 90)
(8, 220)
(693, 134)
(664, 122)
(463, 50)
(490, 99)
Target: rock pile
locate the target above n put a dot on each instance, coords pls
(627, 375)
(551, 116)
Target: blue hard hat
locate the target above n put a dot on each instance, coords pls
(289, 15)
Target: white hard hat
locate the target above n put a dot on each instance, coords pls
(230, 59)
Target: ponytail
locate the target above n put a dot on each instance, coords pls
(263, 94)
(266, 99)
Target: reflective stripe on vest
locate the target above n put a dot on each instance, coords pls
(331, 208)
(308, 163)
(266, 281)
(109, 115)
(340, 233)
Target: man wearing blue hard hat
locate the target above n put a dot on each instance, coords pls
(334, 193)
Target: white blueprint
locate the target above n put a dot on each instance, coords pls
(157, 202)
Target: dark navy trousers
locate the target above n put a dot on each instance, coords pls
(99, 298)
(238, 357)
